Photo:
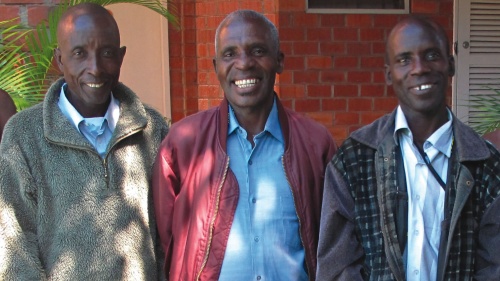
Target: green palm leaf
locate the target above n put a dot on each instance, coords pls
(485, 112)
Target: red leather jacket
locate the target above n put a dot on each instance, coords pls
(195, 193)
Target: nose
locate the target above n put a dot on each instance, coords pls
(420, 66)
(245, 61)
(93, 65)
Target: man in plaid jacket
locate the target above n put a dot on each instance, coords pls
(414, 195)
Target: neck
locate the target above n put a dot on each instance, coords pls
(423, 126)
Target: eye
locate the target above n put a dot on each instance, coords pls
(403, 60)
(258, 52)
(431, 56)
(78, 53)
(108, 53)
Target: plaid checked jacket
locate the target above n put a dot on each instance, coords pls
(358, 239)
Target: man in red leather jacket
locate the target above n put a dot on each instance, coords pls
(199, 187)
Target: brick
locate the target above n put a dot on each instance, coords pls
(9, 12)
(306, 20)
(332, 48)
(252, 5)
(345, 34)
(357, 20)
(345, 90)
(295, 63)
(330, 76)
(325, 118)
(308, 77)
(319, 91)
(293, 91)
(359, 104)
(372, 62)
(358, 48)
(379, 76)
(319, 62)
(319, 34)
(385, 104)
(372, 90)
(269, 6)
(203, 104)
(346, 118)
(334, 104)
(424, 7)
(286, 77)
(387, 21)
(345, 62)
(177, 115)
(22, 1)
(208, 91)
(292, 34)
(339, 133)
(369, 117)
(305, 48)
(290, 6)
(371, 34)
(307, 105)
(378, 48)
(359, 77)
(287, 48)
(330, 20)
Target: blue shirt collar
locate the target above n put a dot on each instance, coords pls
(272, 124)
(441, 139)
(111, 116)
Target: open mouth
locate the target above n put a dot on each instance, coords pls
(422, 87)
(95, 85)
(245, 83)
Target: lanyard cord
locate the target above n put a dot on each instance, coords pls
(431, 168)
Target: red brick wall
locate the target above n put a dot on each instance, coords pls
(333, 63)
(30, 12)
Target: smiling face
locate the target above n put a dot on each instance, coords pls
(90, 57)
(418, 67)
(247, 61)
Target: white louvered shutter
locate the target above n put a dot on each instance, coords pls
(477, 36)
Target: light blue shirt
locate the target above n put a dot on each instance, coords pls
(97, 130)
(264, 242)
(425, 196)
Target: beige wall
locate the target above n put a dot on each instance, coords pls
(145, 68)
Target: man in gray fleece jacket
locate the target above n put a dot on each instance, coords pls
(75, 199)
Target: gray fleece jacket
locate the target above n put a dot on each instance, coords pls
(68, 214)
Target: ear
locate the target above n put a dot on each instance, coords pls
(451, 66)
(57, 56)
(281, 62)
(123, 50)
(387, 72)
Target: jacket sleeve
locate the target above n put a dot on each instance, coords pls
(340, 254)
(165, 182)
(488, 244)
(19, 252)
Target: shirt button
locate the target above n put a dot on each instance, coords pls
(416, 272)
(250, 162)
(256, 239)
(416, 232)
(258, 277)
(254, 200)
(417, 197)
